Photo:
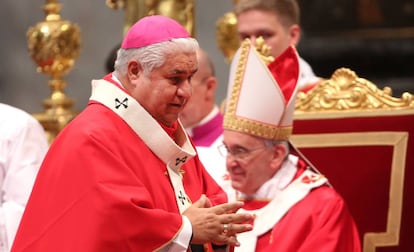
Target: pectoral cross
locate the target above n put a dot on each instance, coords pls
(181, 197)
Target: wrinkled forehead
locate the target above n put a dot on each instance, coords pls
(180, 63)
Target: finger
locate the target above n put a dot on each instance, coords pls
(232, 229)
(238, 218)
(207, 203)
(226, 228)
(229, 240)
(201, 202)
(231, 207)
(232, 240)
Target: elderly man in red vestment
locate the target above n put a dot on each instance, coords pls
(124, 175)
(294, 206)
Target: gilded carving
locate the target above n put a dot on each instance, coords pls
(226, 35)
(346, 91)
(54, 45)
(180, 10)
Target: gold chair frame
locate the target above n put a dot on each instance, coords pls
(345, 95)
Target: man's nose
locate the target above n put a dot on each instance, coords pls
(253, 39)
(231, 161)
(185, 89)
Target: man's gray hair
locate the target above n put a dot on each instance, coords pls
(153, 56)
(271, 143)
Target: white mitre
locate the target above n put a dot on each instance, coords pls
(262, 92)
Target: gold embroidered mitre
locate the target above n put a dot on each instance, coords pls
(261, 92)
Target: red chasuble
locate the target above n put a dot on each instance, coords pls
(101, 188)
(319, 222)
(306, 216)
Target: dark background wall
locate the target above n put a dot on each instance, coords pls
(375, 38)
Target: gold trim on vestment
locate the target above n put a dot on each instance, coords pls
(257, 129)
(231, 121)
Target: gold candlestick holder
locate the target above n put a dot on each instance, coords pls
(227, 38)
(54, 44)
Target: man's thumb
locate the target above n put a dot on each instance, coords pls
(201, 202)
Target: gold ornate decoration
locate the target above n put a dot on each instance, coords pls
(227, 37)
(347, 95)
(264, 50)
(345, 91)
(134, 10)
(180, 10)
(54, 45)
(238, 79)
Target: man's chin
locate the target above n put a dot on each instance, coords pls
(237, 185)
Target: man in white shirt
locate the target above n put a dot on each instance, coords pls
(278, 22)
(23, 145)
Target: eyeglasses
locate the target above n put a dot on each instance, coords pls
(238, 152)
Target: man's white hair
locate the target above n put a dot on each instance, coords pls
(152, 56)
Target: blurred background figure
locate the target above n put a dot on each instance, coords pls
(278, 22)
(110, 59)
(202, 118)
(23, 145)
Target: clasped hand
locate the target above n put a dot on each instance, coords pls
(217, 224)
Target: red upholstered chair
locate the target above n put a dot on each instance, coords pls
(362, 139)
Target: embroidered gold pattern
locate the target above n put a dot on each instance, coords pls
(264, 50)
(231, 121)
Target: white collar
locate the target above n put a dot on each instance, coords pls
(274, 186)
(146, 127)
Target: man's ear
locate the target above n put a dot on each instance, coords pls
(294, 32)
(134, 70)
(279, 154)
(211, 83)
